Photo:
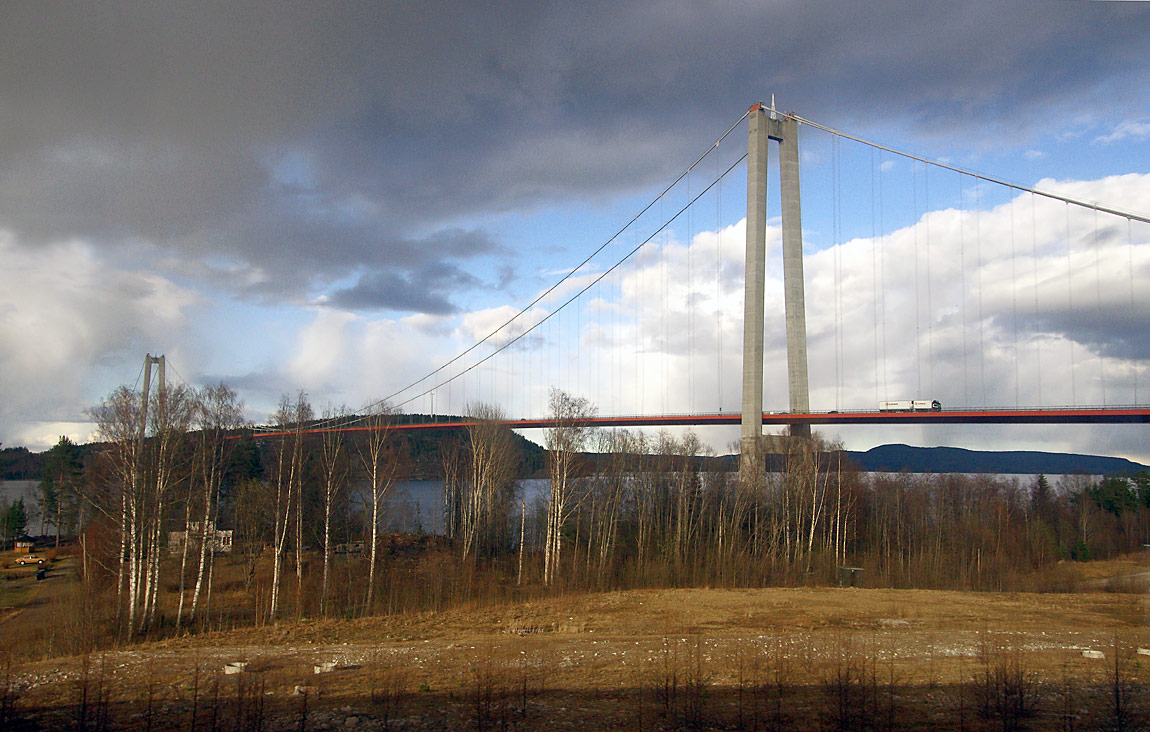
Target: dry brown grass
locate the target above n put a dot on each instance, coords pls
(781, 658)
(690, 659)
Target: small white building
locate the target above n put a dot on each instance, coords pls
(219, 540)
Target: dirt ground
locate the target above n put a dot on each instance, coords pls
(840, 658)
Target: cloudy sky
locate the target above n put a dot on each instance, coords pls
(340, 196)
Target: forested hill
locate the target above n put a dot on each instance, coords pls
(425, 459)
(896, 458)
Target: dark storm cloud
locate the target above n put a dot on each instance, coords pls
(1119, 334)
(308, 141)
(420, 291)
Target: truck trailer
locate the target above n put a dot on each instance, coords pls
(911, 405)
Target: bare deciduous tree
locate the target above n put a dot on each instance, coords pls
(288, 481)
(489, 487)
(144, 455)
(380, 465)
(334, 467)
(218, 410)
(565, 442)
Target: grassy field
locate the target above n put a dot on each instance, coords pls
(17, 590)
(18, 586)
(781, 658)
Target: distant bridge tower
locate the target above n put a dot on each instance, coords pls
(160, 361)
(785, 131)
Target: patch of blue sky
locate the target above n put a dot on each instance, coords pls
(854, 191)
(292, 169)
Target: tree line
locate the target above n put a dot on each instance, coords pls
(620, 509)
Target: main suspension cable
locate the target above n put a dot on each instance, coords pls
(1144, 218)
(571, 273)
(626, 257)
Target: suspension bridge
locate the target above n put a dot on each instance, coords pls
(735, 296)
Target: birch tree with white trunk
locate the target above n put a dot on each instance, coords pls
(218, 411)
(565, 442)
(380, 466)
(488, 490)
(334, 467)
(290, 418)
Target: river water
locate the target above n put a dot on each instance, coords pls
(416, 506)
(412, 506)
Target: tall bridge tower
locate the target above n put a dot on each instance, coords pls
(784, 130)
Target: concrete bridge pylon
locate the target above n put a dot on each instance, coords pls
(761, 129)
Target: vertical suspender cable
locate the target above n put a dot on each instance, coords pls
(599, 356)
(1130, 272)
(616, 347)
(1014, 300)
(838, 246)
(578, 345)
(837, 267)
(929, 294)
(874, 273)
(690, 304)
(636, 319)
(554, 377)
(558, 379)
(838, 204)
(1037, 335)
(719, 286)
(917, 295)
(640, 313)
(1070, 310)
(962, 282)
(978, 281)
(1098, 303)
(882, 271)
(663, 312)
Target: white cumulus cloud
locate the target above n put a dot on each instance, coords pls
(67, 323)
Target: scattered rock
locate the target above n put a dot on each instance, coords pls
(1143, 651)
(894, 622)
(236, 667)
(1093, 654)
(324, 668)
(306, 690)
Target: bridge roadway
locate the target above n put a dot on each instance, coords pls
(1054, 415)
(1061, 415)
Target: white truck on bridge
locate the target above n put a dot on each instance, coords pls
(911, 405)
